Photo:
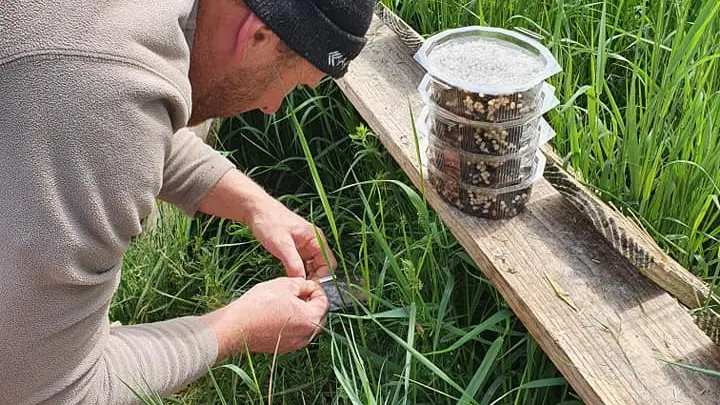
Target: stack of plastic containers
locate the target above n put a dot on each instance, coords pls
(485, 96)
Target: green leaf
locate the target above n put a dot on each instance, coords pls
(498, 317)
(482, 373)
(245, 377)
(711, 373)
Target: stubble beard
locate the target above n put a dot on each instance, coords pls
(227, 97)
(235, 93)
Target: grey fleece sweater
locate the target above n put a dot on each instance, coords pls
(94, 98)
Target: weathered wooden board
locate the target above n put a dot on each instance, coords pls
(629, 239)
(625, 235)
(606, 327)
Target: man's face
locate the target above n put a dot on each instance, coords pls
(278, 80)
(260, 86)
(242, 66)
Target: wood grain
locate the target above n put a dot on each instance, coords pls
(628, 238)
(612, 328)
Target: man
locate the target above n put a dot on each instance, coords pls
(96, 100)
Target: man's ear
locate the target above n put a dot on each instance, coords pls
(252, 33)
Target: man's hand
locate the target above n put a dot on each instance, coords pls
(293, 240)
(283, 233)
(283, 314)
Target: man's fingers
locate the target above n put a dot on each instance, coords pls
(315, 303)
(318, 301)
(318, 327)
(311, 292)
(333, 261)
(331, 256)
(291, 260)
(312, 247)
(322, 267)
(317, 266)
(305, 288)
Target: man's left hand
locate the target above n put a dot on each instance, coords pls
(292, 240)
(282, 232)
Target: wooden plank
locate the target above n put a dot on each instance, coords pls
(605, 326)
(629, 239)
(625, 235)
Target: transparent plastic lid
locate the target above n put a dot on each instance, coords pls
(539, 171)
(514, 43)
(547, 96)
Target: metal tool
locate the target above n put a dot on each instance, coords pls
(341, 293)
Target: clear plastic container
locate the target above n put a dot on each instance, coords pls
(458, 105)
(483, 138)
(483, 171)
(482, 100)
(492, 203)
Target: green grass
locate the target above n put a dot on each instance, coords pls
(433, 331)
(639, 123)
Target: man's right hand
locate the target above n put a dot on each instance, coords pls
(288, 310)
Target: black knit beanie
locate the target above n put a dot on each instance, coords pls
(328, 33)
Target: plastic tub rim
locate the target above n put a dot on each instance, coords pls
(551, 66)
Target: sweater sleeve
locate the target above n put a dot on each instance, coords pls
(192, 168)
(161, 365)
(86, 146)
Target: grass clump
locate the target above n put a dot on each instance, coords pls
(433, 330)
